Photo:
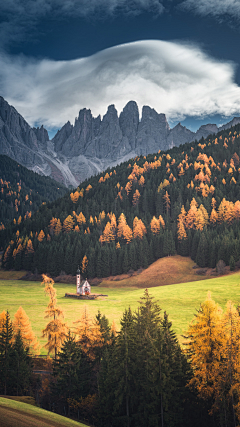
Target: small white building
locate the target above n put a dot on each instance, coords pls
(85, 289)
(82, 288)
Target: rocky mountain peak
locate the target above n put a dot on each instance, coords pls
(92, 144)
(128, 121)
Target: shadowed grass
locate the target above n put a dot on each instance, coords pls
(19, 414)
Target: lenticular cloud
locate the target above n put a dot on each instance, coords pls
(176, 79)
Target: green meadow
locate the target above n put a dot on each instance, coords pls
(180, 301)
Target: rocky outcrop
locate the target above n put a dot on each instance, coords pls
(206, 130)
(92, 144)
(233, 122)
(179, 135)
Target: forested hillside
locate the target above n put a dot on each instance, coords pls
(23, 191)
(184, 200)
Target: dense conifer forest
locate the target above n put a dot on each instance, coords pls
(185, 200)
(23, 191)
(138, 376)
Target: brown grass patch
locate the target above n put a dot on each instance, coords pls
(164, 271)
(11, 275)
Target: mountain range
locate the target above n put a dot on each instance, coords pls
(92, 144)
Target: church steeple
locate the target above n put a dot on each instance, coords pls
(78, 281)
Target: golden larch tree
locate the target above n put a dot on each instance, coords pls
(81, 218)
(191, 215)
(58, 227)
(204, 345)
(22, 324)
(88, 334)
(84, 264)
(214, 217)
(68, 224)
(41, 236)
(139, 229)
(136, 198)
(181, 231)
(155, 225)
(167, 202)
(74, 196)
(56, 330)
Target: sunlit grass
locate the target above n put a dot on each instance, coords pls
(180, 301)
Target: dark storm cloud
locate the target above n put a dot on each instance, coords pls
(19, 17)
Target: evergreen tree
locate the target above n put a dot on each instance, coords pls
(21, 367)
(6, 334)
(202, 252)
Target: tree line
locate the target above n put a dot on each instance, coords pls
(23, 191)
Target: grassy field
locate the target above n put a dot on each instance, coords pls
(179, 300)
(18, 414)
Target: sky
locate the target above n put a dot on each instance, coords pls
(180, 57)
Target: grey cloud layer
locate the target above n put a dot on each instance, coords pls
(173, 78)
(216, 8)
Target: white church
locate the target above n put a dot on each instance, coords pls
(83, 288)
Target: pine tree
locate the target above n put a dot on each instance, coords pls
(65, 370)
(6, 334)
(21, 366)
(202, 252)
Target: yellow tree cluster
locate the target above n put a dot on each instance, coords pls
(22, 324)
(75, 196)
(213, 348)
(109, 231)
(80, 218)
(163, 184)
(156, 224)
(196, 218)
(227, 212)
(55, 226)
(68, 224)
(107, 176)
(139, 229)
(123, 230)
(88, 335)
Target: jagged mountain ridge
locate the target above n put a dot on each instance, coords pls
(92, 144)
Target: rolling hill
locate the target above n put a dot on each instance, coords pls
(19, 414)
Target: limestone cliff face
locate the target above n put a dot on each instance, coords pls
(17, 139)
(92, 144)
(114, 137)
